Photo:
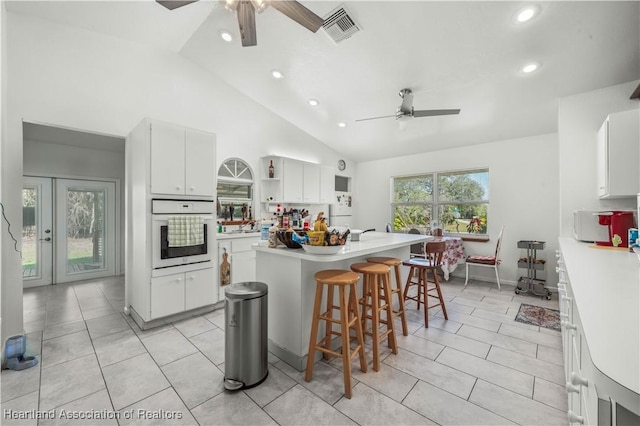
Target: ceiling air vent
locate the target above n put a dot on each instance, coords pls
(339, 26)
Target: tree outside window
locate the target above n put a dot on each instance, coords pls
(456, 201)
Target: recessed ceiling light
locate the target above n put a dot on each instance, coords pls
(314, 102)
(277, 74)
(342, 124)
(531, 67)
(226, 36)
(526, 14)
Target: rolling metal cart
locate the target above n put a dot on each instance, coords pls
(531, 283)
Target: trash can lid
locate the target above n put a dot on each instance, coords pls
(246, 290)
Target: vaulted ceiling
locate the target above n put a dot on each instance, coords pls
(452, 54)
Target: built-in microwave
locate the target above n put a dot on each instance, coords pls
(587, 228)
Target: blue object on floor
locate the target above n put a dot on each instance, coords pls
(14, 351)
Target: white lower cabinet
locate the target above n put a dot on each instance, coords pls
(593, 398)
(241, 258)
(167, 295)
(200, 288)
(172, 294)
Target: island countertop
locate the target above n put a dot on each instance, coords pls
(370, 243)
(289, 275)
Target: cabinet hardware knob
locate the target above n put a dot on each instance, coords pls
(192, 188)
(577, 380)
(566, 298)
(571, 388)
(569, 325)
(191, 278)
(178, 188)
(574, 418)
(558, 269)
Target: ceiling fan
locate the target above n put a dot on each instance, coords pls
(247, 19)
(406, 111)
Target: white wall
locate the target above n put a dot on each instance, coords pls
(78, 79)
(523, 192)
(11, 196)
(56, 160)
(10, 316)
(579, 118)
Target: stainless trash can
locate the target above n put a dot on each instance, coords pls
(245, 351)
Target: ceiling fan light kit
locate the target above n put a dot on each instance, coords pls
(246, 13)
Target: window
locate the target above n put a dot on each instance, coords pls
(455, 201)
(235, 191)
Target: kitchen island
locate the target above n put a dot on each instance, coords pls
(289, 275)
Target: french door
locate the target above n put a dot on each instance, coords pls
(37, 231)
(81, 244)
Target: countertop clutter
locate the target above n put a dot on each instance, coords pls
(371, 242)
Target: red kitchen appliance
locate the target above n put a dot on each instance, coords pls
(618, 223)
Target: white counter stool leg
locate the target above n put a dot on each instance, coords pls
(376, 290)
(392, 261)
(348, 318)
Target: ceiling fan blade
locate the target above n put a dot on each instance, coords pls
(174, 4)
(433, 112)
(247, 23)
(375, 118)
(299, 13)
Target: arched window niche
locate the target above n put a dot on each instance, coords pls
(235, 193)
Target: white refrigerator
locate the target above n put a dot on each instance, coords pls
(340, 210)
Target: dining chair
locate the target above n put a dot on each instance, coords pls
(417, 249)
(485, 261)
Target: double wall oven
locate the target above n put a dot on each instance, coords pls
(187, 256)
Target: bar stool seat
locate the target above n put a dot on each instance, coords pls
(376, 298)
(434, 251)
(348, 318)
(395, 263)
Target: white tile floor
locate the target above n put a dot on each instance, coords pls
(478, 367)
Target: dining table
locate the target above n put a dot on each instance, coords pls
(453, 255)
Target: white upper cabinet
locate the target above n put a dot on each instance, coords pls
(182, 161)
(311, 183)
(617, 155)
(200, 160)
(292, 175)
(296, 182)
(327, 184)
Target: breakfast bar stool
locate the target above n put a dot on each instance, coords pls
(376, 298)
(348, 318)
(392, 261)
(434, 252)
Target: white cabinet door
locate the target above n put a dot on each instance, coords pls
(167, 295)
(311, 183)
(244, 267)
(602, 159)
(617, 155)
(200, 172)
(201, 288)
(167, 159)
(292, 175)
(327, 184)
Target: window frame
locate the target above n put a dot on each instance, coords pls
(435, 202)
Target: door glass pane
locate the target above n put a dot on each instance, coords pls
(29, 233)
(85, 230)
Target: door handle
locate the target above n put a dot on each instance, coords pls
(45, 239)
